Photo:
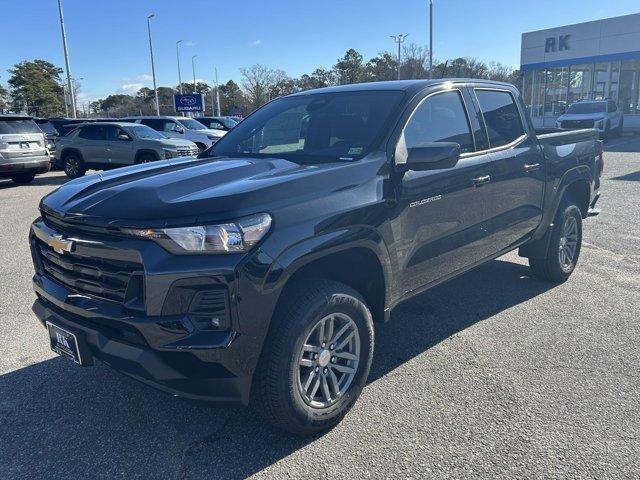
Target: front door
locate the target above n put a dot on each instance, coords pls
(440, 223)
(120, 150)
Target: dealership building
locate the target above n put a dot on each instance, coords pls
(591, 60)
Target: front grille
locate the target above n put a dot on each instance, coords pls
(187, 152)
(104, 278)
(576, 124)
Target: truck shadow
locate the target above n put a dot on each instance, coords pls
(60, 420)
(55, 179)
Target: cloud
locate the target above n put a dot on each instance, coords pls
(131, 88)
(255, 43)
(189, 43)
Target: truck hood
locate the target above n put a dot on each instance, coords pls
(190, 192)
(173, 142)
(582, 116)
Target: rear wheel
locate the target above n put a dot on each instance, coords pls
(23, 178)
(316, 358)
(564, 246)
(73, 165)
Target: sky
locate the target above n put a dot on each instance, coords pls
(109, 49)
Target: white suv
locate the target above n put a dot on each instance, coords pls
(181, 127)
(603, 115)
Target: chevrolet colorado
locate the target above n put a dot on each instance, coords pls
(254, 275)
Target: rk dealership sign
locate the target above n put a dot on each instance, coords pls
(192, 102)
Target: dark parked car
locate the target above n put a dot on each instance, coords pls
(23, 152)
(218, 123)
(255, 275)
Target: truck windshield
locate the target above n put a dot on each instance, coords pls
(321, 127)
(587, 107)
(19, 126)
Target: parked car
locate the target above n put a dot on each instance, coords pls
(218, 123)
(103, 145)
(23, 152)
(181, 127)
(255, 275)
(603, 115)
(50, 133)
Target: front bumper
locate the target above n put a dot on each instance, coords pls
(155, 340)
(39, 164)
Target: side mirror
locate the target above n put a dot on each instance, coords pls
(432, 156)
(124, 137)
(178, 129)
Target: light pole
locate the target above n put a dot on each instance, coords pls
(430, 38)
(153, 67)
(399, 39)
(66, 61)
(217, 94)
(178, 57)
(193, 69)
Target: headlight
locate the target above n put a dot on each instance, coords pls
(213, 137)
(599, 124)
(233, 237)
(169, 153)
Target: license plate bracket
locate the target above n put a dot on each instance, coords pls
(68, 343)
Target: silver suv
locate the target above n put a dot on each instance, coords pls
(182, 127)
(23, 152)
(103, 145)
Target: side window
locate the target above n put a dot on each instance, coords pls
(168, 126)
(612, 106)
(501, 117)
(216, 125)
(152, 123)
(440, 118)
(92, 132)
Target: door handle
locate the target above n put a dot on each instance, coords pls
(531, 167)
(477, 181)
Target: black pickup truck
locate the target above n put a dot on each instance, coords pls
(255, 274)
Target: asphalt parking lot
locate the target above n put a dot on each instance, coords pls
(492, 375)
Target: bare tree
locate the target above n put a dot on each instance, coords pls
(257, 81)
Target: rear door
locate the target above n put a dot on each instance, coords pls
(439, 227)
(515, 191)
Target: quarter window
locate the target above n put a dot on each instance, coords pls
(501, 117)
(439, 118)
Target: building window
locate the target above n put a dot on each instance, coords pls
(629, 88)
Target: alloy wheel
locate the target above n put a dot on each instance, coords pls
(568, 243)
(328, 360)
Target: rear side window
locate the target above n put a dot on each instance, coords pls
(501, 117)
(93, 132)
(19, 126)
(439, 118)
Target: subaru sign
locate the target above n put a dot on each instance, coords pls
(192, 102)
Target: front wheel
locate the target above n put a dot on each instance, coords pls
(23, 178)
(316, 358)
(564, 246)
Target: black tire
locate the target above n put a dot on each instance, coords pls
(276, 392)
(146, 158)
(73, 165)
(23, 178)
(606, 135)
(551, 268)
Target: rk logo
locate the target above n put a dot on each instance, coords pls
(62, 340)
(562, 43)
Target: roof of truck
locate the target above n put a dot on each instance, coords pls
(404, 85)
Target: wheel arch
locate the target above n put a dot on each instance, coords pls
(67, 150)
(362, 264)
(144, 151)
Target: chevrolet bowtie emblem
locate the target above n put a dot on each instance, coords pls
(59, 244)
